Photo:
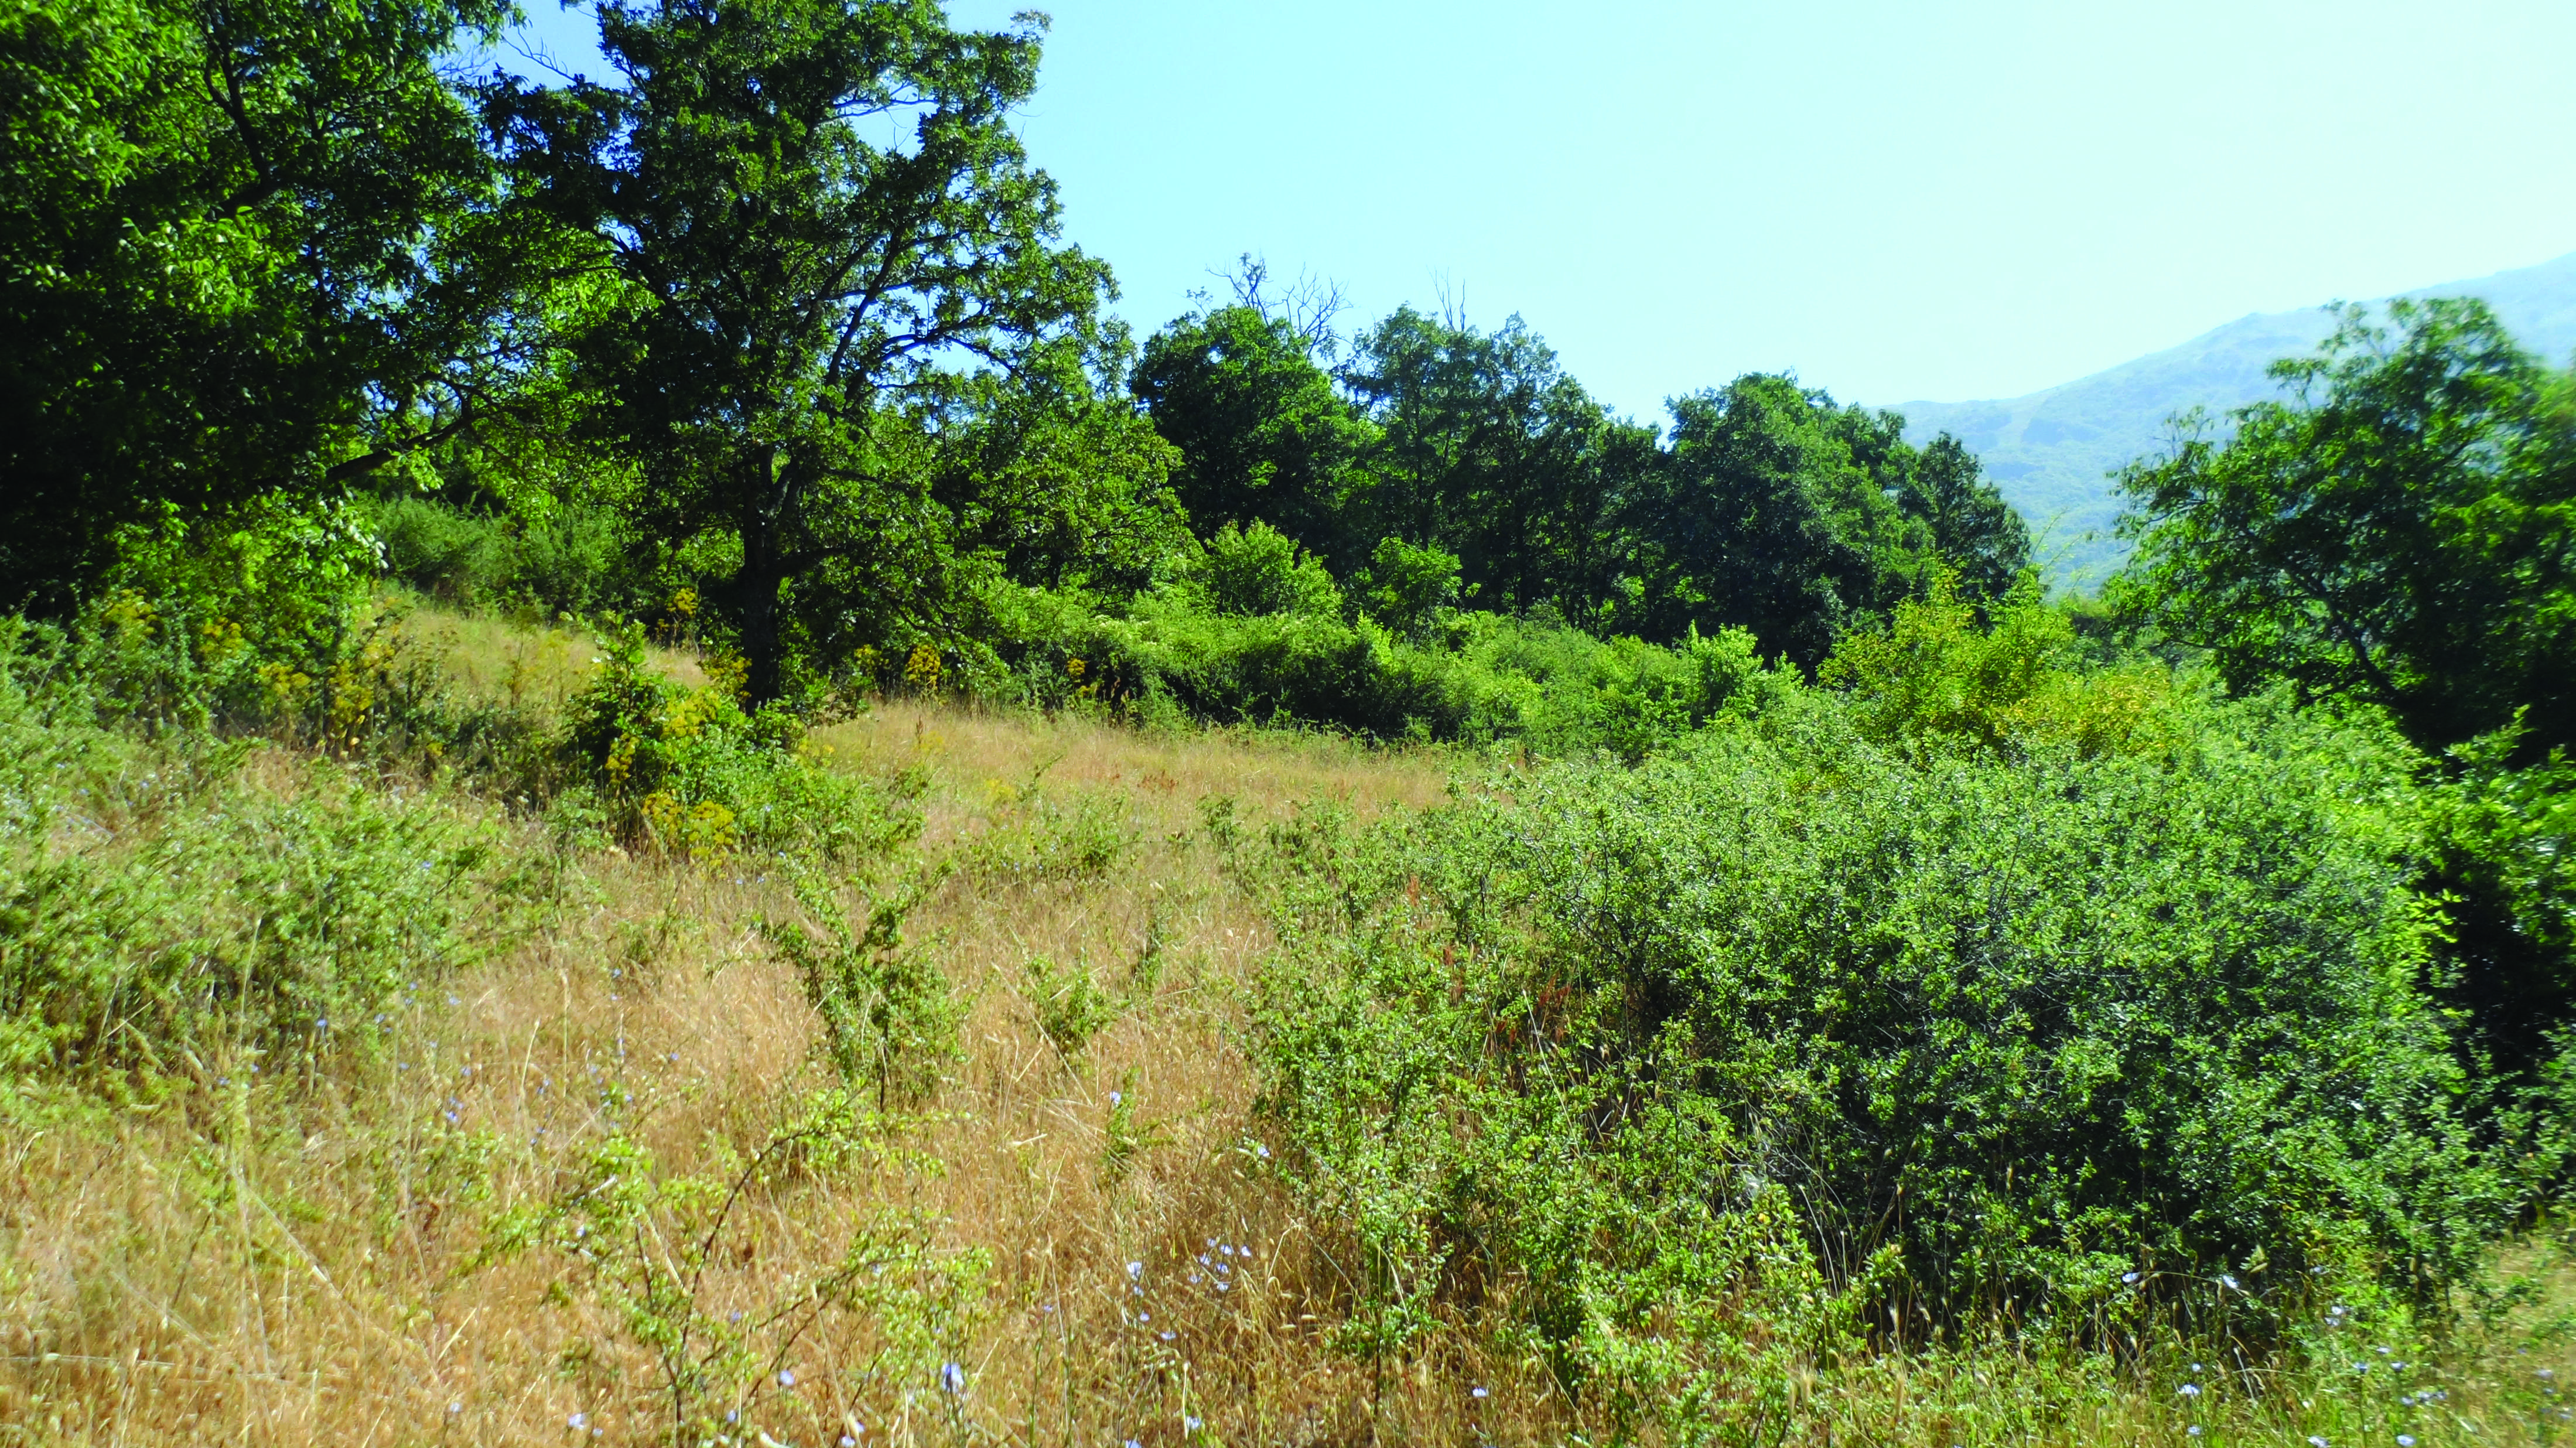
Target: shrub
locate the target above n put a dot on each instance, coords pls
(568, 558)
(688, 771)
(889, 1020)
(1789, 1032)
(1259, 570)
(1483, 678)
(1407, 587)
(157, 910)
(1043, 837)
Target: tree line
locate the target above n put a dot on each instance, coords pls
(786, 296)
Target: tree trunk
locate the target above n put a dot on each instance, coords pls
(764, 569)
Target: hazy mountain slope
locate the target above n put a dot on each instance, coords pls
(2050, 451)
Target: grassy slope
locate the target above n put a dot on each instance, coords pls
(310, 1261)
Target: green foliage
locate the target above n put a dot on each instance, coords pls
(688, 771)
(1974, 531)
(1935, 680)
(1475, 677)
(733, 183)
(159, 912)
(1768, 507)
(1070, 1005)
(2503, 847)
(1489, 450)
(1407, 588)
(1262, 434)
(1037, 835)
(889, 1019)
(1789, 1033)
(249, 250)
(1773, 514)
(2398, 532)
(1259, 570)
(573, 559)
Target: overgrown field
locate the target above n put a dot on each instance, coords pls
(1106, 1085)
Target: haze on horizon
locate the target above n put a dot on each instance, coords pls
(1944, 201)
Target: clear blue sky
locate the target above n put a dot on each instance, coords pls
(1896, 200)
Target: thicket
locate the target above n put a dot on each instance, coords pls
(1985, 989)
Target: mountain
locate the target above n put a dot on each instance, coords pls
(2050, 452)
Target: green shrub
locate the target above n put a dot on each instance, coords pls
(1259, 570)
(1788, 1033)
(257, 619)
(688, 771)
(1408, 587)
(1490, 678)
(1041, 836)
(158, 911)
(889, 1019)
(1070, 1006)
(568, 558)
(2503, 848)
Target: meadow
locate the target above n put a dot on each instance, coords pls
(590, 1171)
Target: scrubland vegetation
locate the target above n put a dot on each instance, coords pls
(653, 789)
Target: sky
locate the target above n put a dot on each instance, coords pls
(1895, 201)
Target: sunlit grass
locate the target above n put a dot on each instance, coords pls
(324, 1258)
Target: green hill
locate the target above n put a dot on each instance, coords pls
(2052, 451)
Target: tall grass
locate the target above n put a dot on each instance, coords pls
(529, 1206)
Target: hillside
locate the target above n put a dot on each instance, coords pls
(2051, 451)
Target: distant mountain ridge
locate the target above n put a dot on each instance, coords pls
(2050, 452)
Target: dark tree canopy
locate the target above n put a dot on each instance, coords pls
(822, 216)
(1767, 507)
(1974, 530)
(1489, 450)
(1262, 431)
(243, 248)
(1764, 518)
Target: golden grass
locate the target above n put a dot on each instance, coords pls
(294, 1263)
(306, 1262)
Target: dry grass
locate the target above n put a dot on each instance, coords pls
(315, 1261)
(308, 1262)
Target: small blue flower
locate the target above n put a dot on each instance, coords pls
(578, 1420)
(952, 1379)
(786, 1377)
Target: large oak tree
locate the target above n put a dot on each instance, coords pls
(823, 221)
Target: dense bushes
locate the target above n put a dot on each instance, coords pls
(163, 907)
(1259, 633)
(569, 559)
(157, 909)
(1823, 1021)
(689, 771)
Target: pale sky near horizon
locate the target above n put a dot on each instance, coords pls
(1897, 201)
